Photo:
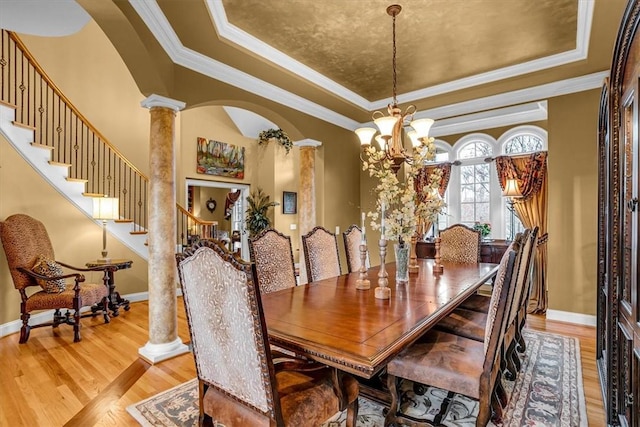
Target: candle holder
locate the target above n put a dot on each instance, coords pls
(362, 282)
(383, 291)
(413, 261)
(437, 267)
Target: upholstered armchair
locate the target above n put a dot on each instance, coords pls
(272, 256)
(460, 243)
(31, 261)
(459, 364)
(321, 254)
(352, 239)
(241, 383)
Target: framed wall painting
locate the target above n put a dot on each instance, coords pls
(289, 202)
(219, 158)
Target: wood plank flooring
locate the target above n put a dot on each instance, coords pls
(50, 381)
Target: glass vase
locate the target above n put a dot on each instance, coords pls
(402, 262)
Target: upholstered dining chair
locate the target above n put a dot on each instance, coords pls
(460, 243)
(459, 364)
(321, 256)
(32, 262)
(272, 255)
(240, 382)
(352, 239)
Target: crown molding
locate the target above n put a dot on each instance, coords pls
(524, 113)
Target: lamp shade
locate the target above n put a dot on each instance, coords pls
(105, 208)
(365, 135)
(422, 127)
(386, 124)
(511, 189)
(415, 141)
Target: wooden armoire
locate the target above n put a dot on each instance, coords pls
(618, 334)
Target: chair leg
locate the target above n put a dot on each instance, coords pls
(76, 326)
(352, 413)
(390, 419)
(522, 345)
(501, 393)
(511, 371)
(25, 330)
(105, 313)
(516, 359)
(494, 412)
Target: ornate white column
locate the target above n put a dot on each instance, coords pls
(307, 194)
(164, 342)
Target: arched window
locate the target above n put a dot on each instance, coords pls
(519, 140)
(473, 190)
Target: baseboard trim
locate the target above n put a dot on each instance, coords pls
(570, 317)
(46, 316)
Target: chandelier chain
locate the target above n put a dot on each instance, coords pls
(395, 76)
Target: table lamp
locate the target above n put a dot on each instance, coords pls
(105, 208)
(512, 191)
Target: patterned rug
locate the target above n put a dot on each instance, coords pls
(547, 392)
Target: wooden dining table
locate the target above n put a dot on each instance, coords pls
(334, 323)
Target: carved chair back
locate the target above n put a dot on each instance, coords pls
(321, 254)
(227, 327)
(272, 256)
(460, 243)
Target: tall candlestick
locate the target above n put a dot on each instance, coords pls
(362, 240)
(382, 220)
(382, 291)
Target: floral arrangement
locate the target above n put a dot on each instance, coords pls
(279, 135)
(483, 228)
(398, 203)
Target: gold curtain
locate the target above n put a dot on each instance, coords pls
(421, 180)
(530, 171)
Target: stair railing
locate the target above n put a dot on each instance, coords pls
(75, 142)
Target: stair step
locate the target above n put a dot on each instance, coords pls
(77, 180)
(48, 147)
(8, 104)
(138, 232)
(22, 125)
(65, 165)
(93, 194)
(123, 220)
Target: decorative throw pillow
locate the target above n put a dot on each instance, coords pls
(49, 268)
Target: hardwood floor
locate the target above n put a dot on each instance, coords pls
(50, 381)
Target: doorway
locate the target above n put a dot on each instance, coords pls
(208, 203)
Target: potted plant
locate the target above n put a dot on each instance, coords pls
(279, 135)
(256, 214)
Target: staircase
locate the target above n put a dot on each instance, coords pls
(60, 143)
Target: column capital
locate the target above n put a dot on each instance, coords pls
(307, 143)
(162, 101)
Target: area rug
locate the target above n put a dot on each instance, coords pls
(547, 392)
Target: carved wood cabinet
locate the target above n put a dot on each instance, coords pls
(618, 309)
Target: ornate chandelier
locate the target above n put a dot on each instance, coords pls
(391, 126)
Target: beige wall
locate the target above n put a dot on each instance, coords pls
(573, 202)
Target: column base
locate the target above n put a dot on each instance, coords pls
(155, 353)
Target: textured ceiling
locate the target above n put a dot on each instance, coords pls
(349, 41)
